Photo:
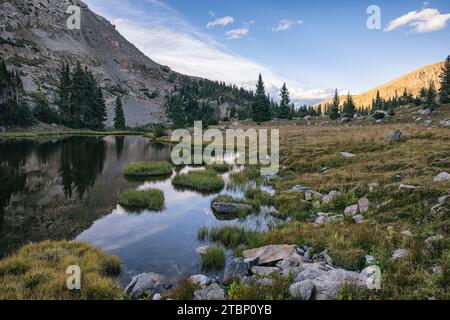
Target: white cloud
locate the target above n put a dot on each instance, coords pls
(237, 33)
(426, 20)
(285, 25)
(171, 41)
(220, 22)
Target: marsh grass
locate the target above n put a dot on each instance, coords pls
(38, 272)
(151, 199)
(219, 168)
(213, 259)
(230, 236)
(148, 169)
(199, 180)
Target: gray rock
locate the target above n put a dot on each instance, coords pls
(351, 211)
(313, 195)
(302, 290)
(298, 188)
(264, 282)
(445, 123)
(231, 208)
(322, 219)
(399, 254)
(202, 250)
(343, 120)
(265, 271)
(324, 257)
(441, 177)
(369, 259)
(395, 136)
(330, 197)
(347, 155)
(424, 112)
(144, 283)
(407, 233)
(201, 280)
(236, 269)
(328, 284)
(270, 254)
(427, 123)
(407, 187)
(251, 262)
(444, 199)
(358, 218)
(434, 239)
(213, 292)
(157, 297)
(293, 261)
(310, 271)
(373, 185)
(2, 129)
(363, 205)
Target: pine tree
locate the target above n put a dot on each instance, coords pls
(99, 110)
(349, 106)
(431, 96)
(334, 109)
(444, 91)
(119, 119)
(261, 106)
(284, 103)
(64, 93)
(378, 103)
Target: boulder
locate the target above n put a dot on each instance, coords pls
(434, 239)
(236, 269)
(327, 285)
(201, 280)
(231, 208)
(212, 292)
(394, 136)
(351, 211)
(427, 123)
(251, 262)
(425, 112)
(445, 123)
(322, 219)
(330, 197)
(343, 120)
(363, 205)
(202, 250)
(265, 271)
(407, 187)
(313, 195)
(302, 290)
(444, 200)
(399, 254)
(323, 256)
(407, 233)
(358, 218)
(441, 177)
(157, 297)
(310, 271)
(144, 283)
(270, 254)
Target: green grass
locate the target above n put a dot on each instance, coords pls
(204, 181)
(219, 168)
(277, 290)
(230, 236)
(148, 169)
(67, 132)
(213, 259)
(184, 290)
(38, 272)
(152, 199)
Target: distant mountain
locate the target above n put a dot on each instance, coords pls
(35, 40)
(413, 82)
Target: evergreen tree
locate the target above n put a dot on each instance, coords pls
(261, 105)
(284, 103)
(431, 96)
(119, 119)
(99, 110)
(349, 106)
(335, 106)
(378, 103)
(444, 91)
(64, 93)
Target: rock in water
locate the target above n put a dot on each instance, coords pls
(395, 136)
(231, 208)
(144, 283)
(270, 254)
(302, 290)
(236, 269)
(441, 177)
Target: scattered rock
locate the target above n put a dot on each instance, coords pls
(351, 211)
(213, 292)
(444, 199)
(313, 195)
(407, 233)
(363, 205)
(264, 282)
(441, 177)
(407, 187)
(330, 197)
(385, 204)
(270, 254)
(310, 271)
(424, 112)
(302, 290)
(251, 262)
(434, 239)
(157, 297)
(369, 259)
(324, 257)
(358, 218)
(328, 284)
(427, 123)
(445, 123)
(236, 269)
(347, 155)
(298, 188)
(343, 120)
(395, 136)
(144, 283)
(265, 271)
(399, 254)
(372, 186)
(231, 208)
(201, 280)
(202, 250)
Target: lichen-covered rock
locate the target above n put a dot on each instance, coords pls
(270, 254)
(302, 290)
(144, 283)
(213, 292)
(236, 269)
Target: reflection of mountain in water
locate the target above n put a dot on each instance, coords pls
(55, 189)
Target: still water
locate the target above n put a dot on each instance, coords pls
(68, 189)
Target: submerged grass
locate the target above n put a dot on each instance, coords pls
(199, 180)
(38, 272)
(152, 199)
(148, 169)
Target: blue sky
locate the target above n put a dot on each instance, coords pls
(315, 46)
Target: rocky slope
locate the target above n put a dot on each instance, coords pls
(413, 82)
(35, 40)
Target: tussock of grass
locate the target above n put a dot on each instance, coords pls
(38, 272)
(219, 168)
(229, 236)
(242, 178)
(148, 169)
(214, 258)
(205, 181)
(278, 290)
(258, 196)
(152, 199)
(183, 291)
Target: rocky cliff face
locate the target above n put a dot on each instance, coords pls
(35, 39)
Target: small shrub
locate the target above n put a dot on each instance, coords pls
(148, 169)
(146, 199)
(214, 258)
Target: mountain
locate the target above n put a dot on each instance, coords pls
(413, 82)
(35, 40)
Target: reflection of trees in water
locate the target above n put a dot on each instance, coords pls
(120, 142)
(82, 160)
(12, 182)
